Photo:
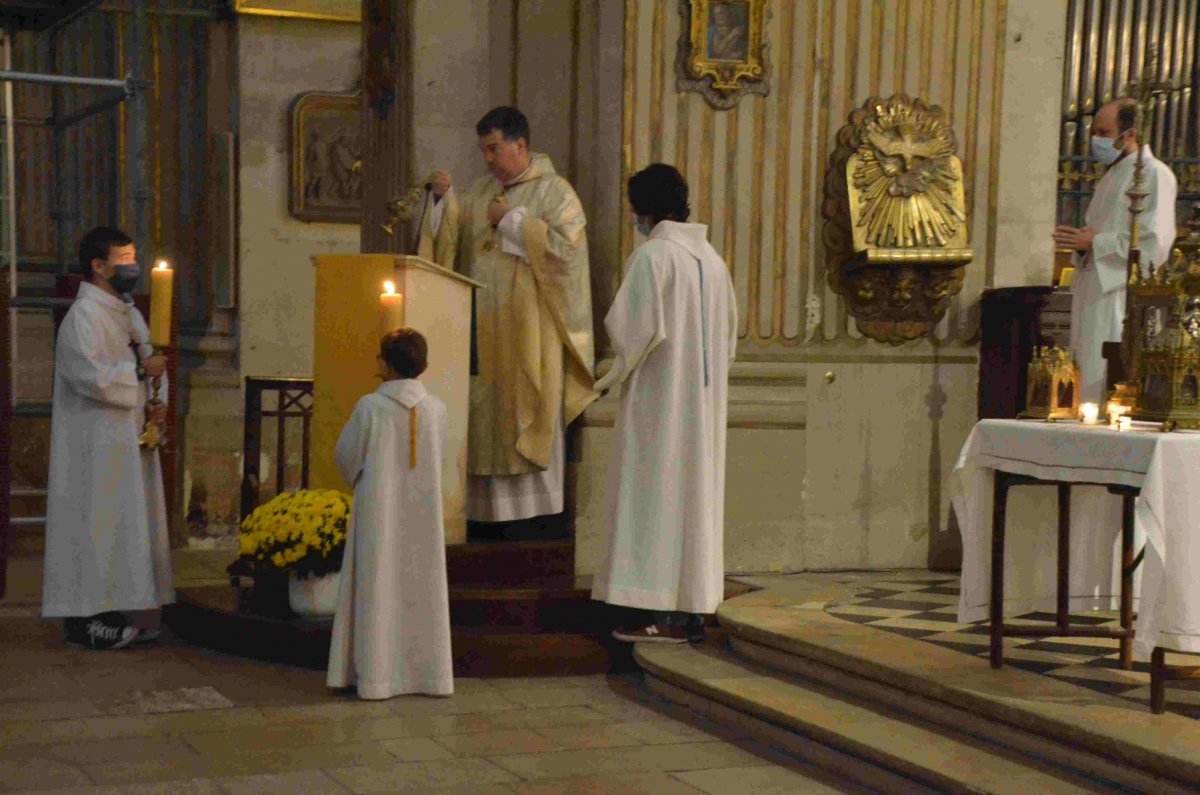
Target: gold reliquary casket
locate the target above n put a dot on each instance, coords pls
(896, 237)
(1163, 343)
(1052, 386)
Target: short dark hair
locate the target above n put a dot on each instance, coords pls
(95, 244)
(661, 192)
(1126, 113)
(405, 351)
(511, 123)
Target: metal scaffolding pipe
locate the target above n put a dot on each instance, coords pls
(139, 183)
(91, 110)
(64, 80)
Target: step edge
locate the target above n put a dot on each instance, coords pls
(1145, 758)
(796, 722)
(1049, 750)
(862, 772)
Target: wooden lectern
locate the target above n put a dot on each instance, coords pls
(437, 303)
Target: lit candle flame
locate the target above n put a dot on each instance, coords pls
(389, 288)
(162, 265)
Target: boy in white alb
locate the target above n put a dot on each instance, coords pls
(391, 632)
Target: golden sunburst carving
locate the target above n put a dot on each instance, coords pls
(905, 175)
(896, 232)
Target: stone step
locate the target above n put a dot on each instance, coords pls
(870, 743)
(787, 630)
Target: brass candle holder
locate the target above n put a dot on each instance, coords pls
(152, 436)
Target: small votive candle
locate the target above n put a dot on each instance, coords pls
(1090, 412)
(1124, 423)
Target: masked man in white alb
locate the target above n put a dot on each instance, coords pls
(1102, 246)
(107, 563)
(391, 632)
(522, 235)
(673, 326)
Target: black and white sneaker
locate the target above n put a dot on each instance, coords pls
(103, 632)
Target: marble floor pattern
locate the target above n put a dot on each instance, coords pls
(172, 718)
(925, 605)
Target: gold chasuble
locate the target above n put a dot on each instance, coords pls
(533, 322)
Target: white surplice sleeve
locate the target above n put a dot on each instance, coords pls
(635, 323)
(1110, 250)
(350, 455)
(84, 370)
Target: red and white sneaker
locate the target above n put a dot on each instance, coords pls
(652, 633)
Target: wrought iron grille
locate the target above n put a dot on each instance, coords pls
(293, 401)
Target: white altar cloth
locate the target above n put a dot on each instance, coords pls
(1167, 519)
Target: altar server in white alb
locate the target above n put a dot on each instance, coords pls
(1102, 246)
(107, 562)
(673, 326)
(391, 632)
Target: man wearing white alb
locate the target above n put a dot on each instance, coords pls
(108, 557)
(673, 326)
(1102, 246)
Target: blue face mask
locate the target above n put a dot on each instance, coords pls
(644, 227)
(1105, 149)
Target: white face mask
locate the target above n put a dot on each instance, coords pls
(1105, 149)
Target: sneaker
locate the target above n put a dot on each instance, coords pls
(147, 635)
(653, 633)
(104, 632)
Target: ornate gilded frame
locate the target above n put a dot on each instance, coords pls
(325, 157)
(326, 10)
(723, 50)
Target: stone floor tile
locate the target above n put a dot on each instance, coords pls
(483, 701)
(597, 761)
(19, 684)
(127, 749)
(635, 784)
(308, 757)
(589, 736)
(39, 772)
(422, 776)
(664, 732)
(560, 716)
(194, 786)
(763, 781)
(540, 696)
(151, 702)
(39, 710)
(177, 768)
(304, 782)
(512, 741)
(350, 730)
(329, 710)
(416, 749)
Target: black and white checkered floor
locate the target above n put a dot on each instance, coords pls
(925, 606)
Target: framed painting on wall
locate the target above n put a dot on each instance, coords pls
(325, 157)
(722, 52)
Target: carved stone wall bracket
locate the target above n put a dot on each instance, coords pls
(722, 51)
(895, 218)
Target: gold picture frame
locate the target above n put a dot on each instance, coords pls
(723, 50)
(325, 157)
(327, 10)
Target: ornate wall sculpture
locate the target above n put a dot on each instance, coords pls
(895, 218)
(324, 151)
(722, 50)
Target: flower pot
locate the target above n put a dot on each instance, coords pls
(314, 596)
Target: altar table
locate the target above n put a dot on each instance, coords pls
(1087, 464)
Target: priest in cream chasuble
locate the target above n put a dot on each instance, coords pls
(521, 232)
